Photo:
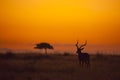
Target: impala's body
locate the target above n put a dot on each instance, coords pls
(84, 58)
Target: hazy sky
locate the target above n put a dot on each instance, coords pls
(25, 22)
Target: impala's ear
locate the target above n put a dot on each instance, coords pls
(81, 48)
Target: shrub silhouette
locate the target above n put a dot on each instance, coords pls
(66, 54)
(44, 45)
(9, 54)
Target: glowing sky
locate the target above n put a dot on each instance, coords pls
(25, 22)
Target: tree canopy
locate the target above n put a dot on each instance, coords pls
(44, 45)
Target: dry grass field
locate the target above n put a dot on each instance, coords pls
(58, 67)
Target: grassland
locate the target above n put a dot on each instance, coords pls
(58, 67)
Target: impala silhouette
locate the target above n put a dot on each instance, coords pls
(84, 58)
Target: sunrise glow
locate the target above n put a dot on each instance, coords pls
(24, 23)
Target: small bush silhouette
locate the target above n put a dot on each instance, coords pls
(99, 56)
(66, 54)
(9, 54)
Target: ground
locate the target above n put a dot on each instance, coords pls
(58, 67)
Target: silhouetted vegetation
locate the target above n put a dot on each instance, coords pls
(100, 56)
(66, 54)
(58, 67)
(44, 46)
(7, 55)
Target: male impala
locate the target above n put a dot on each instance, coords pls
(84, 58)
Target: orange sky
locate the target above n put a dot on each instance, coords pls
(25, 22)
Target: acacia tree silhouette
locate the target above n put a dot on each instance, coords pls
(44, 45)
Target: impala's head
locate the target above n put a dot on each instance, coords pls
(81, 47)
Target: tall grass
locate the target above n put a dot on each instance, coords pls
(59, 67)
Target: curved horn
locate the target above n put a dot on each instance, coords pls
(77, 44)
(83, 44)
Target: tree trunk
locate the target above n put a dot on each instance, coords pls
(45, 51)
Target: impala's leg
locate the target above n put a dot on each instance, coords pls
(79, 59)
(79, 62)
(82, 63)
(88, 63)
(85, 63)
